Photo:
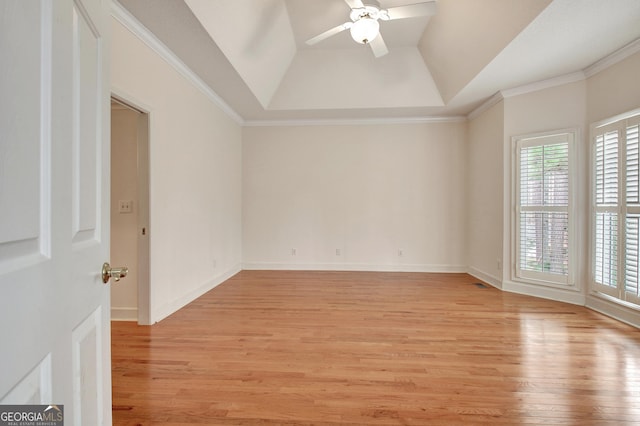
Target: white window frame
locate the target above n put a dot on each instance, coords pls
(621, 209)
(570, 136)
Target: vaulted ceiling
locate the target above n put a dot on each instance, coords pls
(253, 54)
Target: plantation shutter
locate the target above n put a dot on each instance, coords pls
(632, 240)
(607, 169)
(616, 249)
(606, 188)
(543, 206)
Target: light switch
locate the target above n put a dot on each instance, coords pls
(125, 206)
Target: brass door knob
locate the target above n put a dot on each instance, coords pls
(115, 273)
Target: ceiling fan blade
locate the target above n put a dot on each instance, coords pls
(411, 10)
(378, 46)
(354, 4)
(333, 31)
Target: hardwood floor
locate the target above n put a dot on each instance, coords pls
(328, 348)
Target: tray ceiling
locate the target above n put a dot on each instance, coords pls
(252, 53)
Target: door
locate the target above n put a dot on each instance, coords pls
(130, 209)
(54, 201)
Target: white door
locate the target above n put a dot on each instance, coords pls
(54, 199)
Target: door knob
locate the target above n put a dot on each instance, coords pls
(115, 273)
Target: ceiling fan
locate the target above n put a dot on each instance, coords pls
(364, 25)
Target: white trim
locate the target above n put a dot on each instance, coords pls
(612, 59)
(544, 84)
(604, 63)
(131, 101)
(173, 306)
(483, 276)
(273, 266)
(46, 90)
(552, 293)
(527, 88)
(354, 121)
(572, 137)
(613, 309)
(147, 37)
(488, 104)
(124, 314)
(612, 120)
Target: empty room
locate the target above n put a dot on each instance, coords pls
(303, 212)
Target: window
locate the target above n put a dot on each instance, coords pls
(616, 207)
(543, 213)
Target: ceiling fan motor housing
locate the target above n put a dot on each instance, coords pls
(367, 11)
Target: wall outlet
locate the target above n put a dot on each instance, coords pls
(125, 206)
(499, 264)
(400, 252)
(338, 252)
(293, 252)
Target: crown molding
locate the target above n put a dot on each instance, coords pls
(527, 88)
(485, 106)
(354, 121)
(601, 65)
(147, 37)
(544, 84)
(612, 59)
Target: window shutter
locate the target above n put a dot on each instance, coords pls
(544, 242)
(631, 258)
(616, 237)
(632, 225)
(632, 165)
(542, 218)
(607, 169)
(606, 249)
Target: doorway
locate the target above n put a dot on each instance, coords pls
(130, 211)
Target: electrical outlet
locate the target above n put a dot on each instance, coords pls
(125, 206)
(400, 252)
(338, 252)
(499, 263)
(293, 252)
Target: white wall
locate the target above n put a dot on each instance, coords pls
(124, 226)
(551, 109)
(195, 176)
(485, 195)
(367, 191)
(615, 90)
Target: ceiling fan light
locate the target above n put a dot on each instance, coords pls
(365, 29)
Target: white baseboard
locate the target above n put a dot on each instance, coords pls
(124, 314)
(575, 297)
(483, 276)
(273, 266)
(169, 308)
(614, 310)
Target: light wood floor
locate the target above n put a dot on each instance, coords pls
(328, 348)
